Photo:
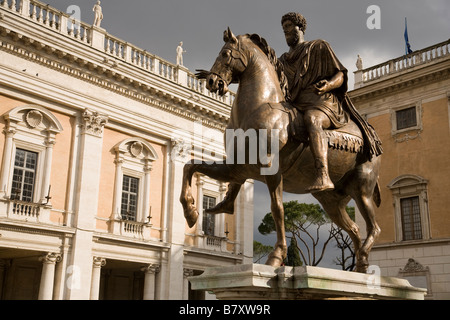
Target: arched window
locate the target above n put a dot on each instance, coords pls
(411, 207)
(134, 158)
(30, 134)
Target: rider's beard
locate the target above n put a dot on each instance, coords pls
(292, 38)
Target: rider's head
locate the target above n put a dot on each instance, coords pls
(294, 26)
(297, 19)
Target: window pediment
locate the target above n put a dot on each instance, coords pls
(136, 148)
(406, 181)
(33, 117)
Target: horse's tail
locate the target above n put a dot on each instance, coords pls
(377, 195)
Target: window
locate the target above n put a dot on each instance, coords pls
(411, 222)
(30, 134)
(209, 219)
(24, 175)
(406, 118)
(406, 122)
(129, 204)
(410, 195)
(134, 161)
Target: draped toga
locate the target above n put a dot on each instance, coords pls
(310, 62)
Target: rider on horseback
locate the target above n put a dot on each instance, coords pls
(317, 85)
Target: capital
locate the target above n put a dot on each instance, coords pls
(151, 268)
(51, 257)
(93, 122)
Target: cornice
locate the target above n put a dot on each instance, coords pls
(33, 228)
(158, 93)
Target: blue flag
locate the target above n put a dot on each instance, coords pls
(408, 46)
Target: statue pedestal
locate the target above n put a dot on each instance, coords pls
(261, 282)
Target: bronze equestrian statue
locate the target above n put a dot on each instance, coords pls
(299, 104)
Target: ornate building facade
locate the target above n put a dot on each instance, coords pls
(95, 135)
(407, 100)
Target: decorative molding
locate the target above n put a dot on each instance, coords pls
(111, 79)
(93, 122)
(51, 257)
(180, 150)
(413, 266)
(151, 268)
(33, 118)
(99, 262)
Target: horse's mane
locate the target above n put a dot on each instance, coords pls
(270, 53)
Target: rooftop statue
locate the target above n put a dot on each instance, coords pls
(98, 14)
(298, 110)
(180, 52)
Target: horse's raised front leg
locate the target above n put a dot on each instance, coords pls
(275, 185)
(219, 171)
(186, 198)
(227, 204)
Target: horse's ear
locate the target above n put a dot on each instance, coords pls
(228, 36)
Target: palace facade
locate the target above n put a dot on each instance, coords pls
(95, 136)
(407, 100)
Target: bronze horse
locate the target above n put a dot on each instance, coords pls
(260, 105)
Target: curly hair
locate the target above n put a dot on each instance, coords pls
(296, 18)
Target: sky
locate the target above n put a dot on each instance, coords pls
(159, 25)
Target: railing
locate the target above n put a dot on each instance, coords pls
(25, 209)
(114, 47)
(130, 229)
(417, 58)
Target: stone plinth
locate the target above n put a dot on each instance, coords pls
(261, 282)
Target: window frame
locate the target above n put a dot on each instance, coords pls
(134, 158)
(129, 193)
(31, 128)
(418, 127)
(23, 176)
(408, 186)
(415, 226)
(211, 216)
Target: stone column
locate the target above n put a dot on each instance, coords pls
(48, 275)
(96, 272)
(146, 203)
(118, 189)
(45, 191)
(149, 282)
(186, 274)
(7, 154)
(200, 184)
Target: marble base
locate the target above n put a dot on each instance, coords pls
(261, 282)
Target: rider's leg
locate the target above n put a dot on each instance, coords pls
(316, 121)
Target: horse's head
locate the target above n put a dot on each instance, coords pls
(229, 64)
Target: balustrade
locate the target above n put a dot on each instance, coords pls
(412, 60)
(25, 209)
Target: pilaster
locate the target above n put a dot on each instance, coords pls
(177, 222)
(86, 202)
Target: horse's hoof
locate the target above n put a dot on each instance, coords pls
(222, 207)
(191, 217)
(274, 260)
(361, 267)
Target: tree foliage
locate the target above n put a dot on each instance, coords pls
(305, 226)
(260, 251)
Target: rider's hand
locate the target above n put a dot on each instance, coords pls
(322, 87)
